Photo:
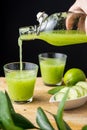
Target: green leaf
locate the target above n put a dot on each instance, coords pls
(11, 108)
(18, 119)
(67, 126)
(42, 120)
(5, 115)
(55, 90)
(59, 116)
(84, 127)
(21, 121)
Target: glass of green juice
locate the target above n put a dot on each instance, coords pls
(52, 67)
(21, 83)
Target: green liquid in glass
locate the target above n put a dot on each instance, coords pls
(52, 71)
(21, 85)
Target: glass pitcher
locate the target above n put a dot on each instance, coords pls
(53, 30)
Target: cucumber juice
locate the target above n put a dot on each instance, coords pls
(52, 67)
(21, 85)
(58, 37)
(52, 71)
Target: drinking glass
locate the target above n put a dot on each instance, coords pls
(21, 83)
(52, 67)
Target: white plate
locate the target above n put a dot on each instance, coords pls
(70, 104)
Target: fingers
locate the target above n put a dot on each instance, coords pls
(70, 21)
(86, 24)
(75, 21)
(78, 17)
(81, 23)
(72, 17)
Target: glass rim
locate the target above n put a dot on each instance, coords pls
(50, 53)
(11, 63)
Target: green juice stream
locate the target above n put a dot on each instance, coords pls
(21, 82)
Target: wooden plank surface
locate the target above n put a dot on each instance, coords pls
(76, 117)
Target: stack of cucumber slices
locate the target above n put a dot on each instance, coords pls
(76, 91)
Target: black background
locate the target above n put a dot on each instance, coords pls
(15, 14)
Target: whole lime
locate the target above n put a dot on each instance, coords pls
(74, 75)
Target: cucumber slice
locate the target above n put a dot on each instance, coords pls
(64, 90)
(72, 93)
(84, 91)
(83, 85)
(79, 90)
(58, 96)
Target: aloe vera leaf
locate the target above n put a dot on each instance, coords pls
(59, 116)
(67, 126)
(84, 127)
(18, 119)
(9, 103)
(55, 90)
(42, 120)
(5, 115)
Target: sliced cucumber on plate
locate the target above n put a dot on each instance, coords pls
(77, 91)
(71, 95)
(83, 85)
(59, 96)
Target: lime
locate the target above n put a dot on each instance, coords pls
(74, 75)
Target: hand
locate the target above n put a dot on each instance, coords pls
(79, 9)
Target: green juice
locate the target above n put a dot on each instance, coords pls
(52, 71)
(58, 37)
(21, 85)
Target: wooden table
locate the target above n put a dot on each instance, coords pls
(76, 117)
